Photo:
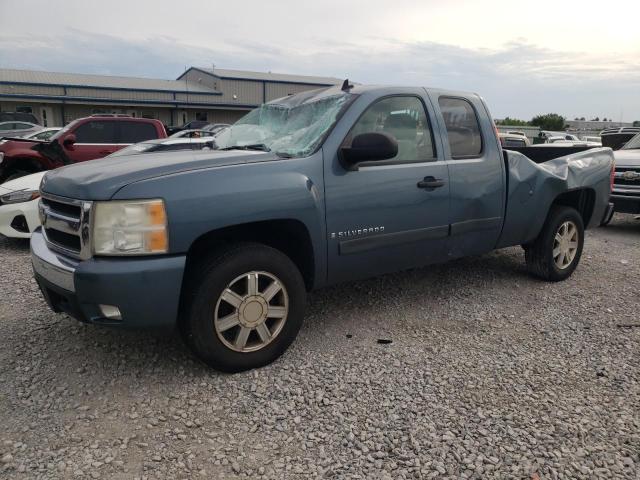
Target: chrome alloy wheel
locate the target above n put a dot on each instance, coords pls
(565, 244)
(251, 311)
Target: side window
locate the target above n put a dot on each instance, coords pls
(7, 126)
(96, 132)
(463, 128)
(23, 125)
(406, 120)
(134, 132)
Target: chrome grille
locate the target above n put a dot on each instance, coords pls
(627, 177)
(66, 225)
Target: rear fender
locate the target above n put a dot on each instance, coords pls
(533, 188)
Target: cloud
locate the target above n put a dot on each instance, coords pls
(519, 80)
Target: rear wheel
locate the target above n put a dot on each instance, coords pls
(556, 252)
(244, 307)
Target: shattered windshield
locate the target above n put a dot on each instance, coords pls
(632, 144)
(294, 126)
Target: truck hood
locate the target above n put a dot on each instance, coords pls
(101, 179)
(627, 158)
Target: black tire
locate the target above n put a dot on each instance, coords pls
(539, 254)
(204, 288)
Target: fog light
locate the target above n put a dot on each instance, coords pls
(110, 311)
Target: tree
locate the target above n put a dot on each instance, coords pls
(550, 121)
(513, 122)
(636, 123)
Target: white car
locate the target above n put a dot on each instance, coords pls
(44, 134)
(19, 206)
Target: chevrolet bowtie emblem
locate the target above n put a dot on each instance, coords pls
(631, 175)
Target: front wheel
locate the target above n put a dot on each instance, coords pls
(556, 252)
(244, 307)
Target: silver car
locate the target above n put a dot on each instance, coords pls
(18, 129)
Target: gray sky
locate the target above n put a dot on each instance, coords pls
(576, 58)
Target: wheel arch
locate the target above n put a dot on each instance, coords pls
(289, 236)
(582, 199)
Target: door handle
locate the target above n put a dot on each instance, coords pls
(430, 183)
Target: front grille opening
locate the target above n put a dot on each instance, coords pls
(624, 181)
(62, 239)
(19, 224)
(64, 208)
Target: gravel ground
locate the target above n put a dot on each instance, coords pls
(490, 374)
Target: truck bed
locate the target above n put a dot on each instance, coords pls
(544, 153)
(534, 184)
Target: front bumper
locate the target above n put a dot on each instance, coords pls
(626, 203)
(18, 220)
(145, 290)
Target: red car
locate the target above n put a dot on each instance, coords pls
(83, 139)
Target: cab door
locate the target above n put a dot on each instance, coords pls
(392, 215)
(476, 173)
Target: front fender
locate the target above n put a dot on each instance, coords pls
(201, 201)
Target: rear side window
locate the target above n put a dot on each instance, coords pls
(462, 125)
(96, 132)
(134, 132)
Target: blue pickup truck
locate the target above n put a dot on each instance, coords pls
(321, 187)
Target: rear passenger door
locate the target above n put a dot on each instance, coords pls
(94, 139)
(476, 173)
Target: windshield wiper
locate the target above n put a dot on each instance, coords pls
(254, 146)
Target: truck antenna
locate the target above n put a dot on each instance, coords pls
(346, 86)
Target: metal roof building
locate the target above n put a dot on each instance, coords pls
(214, 95)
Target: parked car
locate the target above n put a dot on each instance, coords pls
(18, 129)
(192, 134)
(83, 139)
(19, 206)
(513, 140)
(43, 134)
(192, 125)
(18, 117)
(547, 135)
(317, 188)
(170, 144)
(616, 137)
(626, 180)
(216, 127)
(592, 139)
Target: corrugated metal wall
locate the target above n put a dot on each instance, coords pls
(243, 93)
(30, 90)
(119, 94)
(278, 90)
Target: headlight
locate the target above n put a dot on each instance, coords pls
(19, 196)
(137, 227)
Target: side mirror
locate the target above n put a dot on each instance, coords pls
(369, 147)
(68, 141)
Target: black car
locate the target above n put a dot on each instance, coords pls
(192, 125)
